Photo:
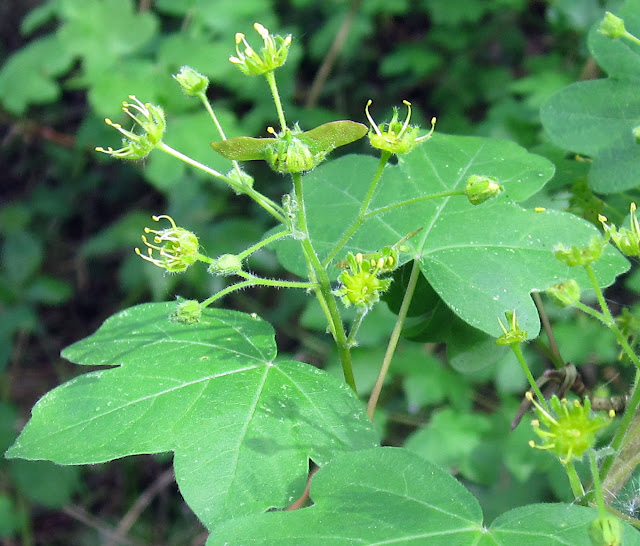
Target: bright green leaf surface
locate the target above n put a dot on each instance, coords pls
(389, 495)
(482, 260)
(242, 426)
(596, 118)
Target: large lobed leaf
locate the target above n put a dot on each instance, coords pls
(596, 118)
(391, 496)
(241, 424)
(482, 260)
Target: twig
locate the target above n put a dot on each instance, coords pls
(139, 506)
(79, 514)
(332, 55)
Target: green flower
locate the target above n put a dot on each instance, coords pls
(627, 240)
(150, 118)
(272, 55)
(361, 285)
(396, 137)
(514, 334)
(571, 431)
(580, 255)
(177, 248)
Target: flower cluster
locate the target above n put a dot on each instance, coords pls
(150, 118)
(177, 248)
(361, 285)
(271, 56)
(571, 432)
(396, 137)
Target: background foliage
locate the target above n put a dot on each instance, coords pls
(69, 219)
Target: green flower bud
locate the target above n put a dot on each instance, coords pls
(396, 137)
(627, 240)
(151, 121)
(514, 334)
(191, 81)
(612, 26)
(187, 312)
(272, 55)
(565, 293)
(290, 154)
(225, 265)
(571, 431)
(177, 247)
(605, 531)
(240, 177)
(580, 255)
(481, 188)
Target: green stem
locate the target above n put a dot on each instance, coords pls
(621, 432)
(351, 340)
(597, 485)
(207, 105)
(318, 274)
(246, 253)
(393, 340)
(515, 347)
(574, 480)
(260, 281)
(225, 291)
(608, 319)
(384, 158)
(412, 201)
(271, 80)
(262, 200)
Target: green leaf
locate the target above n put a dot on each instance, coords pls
(103, 31)
(481, 260)
(596, 118)
(29, 75)
(241, 424)
(389, 495)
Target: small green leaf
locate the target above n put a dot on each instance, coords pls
(243, 148)
(242, 424)
(334, 134)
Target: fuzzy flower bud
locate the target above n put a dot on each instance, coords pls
(580, 255)
(150, 118)
(191, 81)
(396, 137)
(571, 431)
(565, 293)
(271, 56)
(612, 26)
(481, 188)
(240, 177)
(225, 265)
(177, 248)
(187, 312)
(627, 240)
(514, 334)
